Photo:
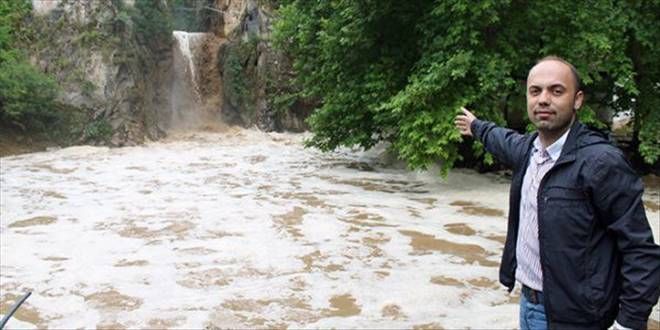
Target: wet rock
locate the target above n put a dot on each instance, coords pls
(255, 73)
(104, 70)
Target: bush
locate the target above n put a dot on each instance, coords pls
(153, 23)
(238, 77)
(26, 96)
(99, 130)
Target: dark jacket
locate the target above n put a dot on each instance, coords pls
(597, 253)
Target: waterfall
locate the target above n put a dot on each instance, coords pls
(188, 103)
(44, 7)
(183, 43)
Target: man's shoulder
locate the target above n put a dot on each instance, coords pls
(592, 141)
(601, 147)
(603, 153)
(603, 159)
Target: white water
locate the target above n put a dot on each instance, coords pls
(245, 229)
(43, 7)
(187, 103)
(183, 41)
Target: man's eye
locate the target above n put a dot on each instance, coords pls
(534, 92)
(558, 91)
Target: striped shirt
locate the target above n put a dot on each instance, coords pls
(529, 270)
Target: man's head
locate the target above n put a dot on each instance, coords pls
(553, 95)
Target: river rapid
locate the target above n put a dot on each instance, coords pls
(245, 229)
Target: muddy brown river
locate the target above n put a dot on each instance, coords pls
(244, 229)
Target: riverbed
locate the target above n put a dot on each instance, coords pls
(246, 229)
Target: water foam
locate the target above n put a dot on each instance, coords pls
(247, 229)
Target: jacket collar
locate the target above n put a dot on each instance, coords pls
(571, 143)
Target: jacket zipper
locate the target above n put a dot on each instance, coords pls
(541, 196)
(542, 199)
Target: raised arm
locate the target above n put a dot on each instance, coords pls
(507, 145)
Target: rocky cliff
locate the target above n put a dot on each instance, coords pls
(255, 74)
(112, 65)
(93, 48)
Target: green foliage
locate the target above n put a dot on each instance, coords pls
(11, 16)
(650, 137)
(99, 130)
(398, 70)
(153, 23)
(190, 15)
(237, 78)
(588, 116)
(123, 17)
(87, 87)
(26, 95)
(89, 37)
(68, 126)
(644, 38)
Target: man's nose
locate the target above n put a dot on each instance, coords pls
(544, 98)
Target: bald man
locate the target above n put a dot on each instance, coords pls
(578, 240)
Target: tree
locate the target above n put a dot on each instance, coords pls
(27, 96)
(153, 23)
(397, 71)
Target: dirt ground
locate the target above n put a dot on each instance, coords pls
(15, 142)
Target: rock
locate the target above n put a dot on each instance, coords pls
(102, 67)
(254, 73)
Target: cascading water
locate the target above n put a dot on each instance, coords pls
(195, 85)
(183, 42)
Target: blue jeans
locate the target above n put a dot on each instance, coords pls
(532, 316)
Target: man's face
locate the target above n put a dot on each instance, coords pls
(552, 97)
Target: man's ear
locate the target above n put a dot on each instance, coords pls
(579, 98)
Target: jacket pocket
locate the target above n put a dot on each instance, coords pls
(568, 220)
(567, 287)
(568, 196)
(567, 217)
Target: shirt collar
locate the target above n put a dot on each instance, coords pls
(554, 150)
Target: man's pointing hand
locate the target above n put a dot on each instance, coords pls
(463, 122)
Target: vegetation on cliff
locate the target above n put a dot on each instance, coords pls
(240, 76)
(83, 72)
(397, 71)
(27, 96)
(153, 22)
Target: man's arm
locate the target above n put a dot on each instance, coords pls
(617, 192)
(505, 144)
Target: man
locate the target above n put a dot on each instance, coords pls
(578, 239)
